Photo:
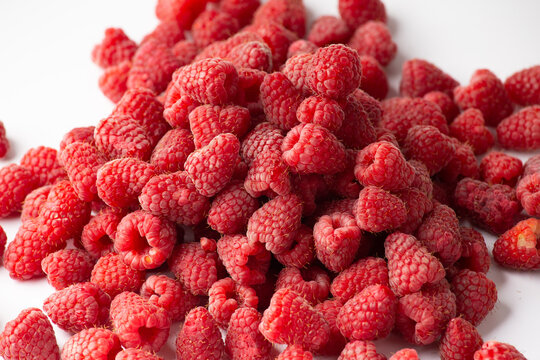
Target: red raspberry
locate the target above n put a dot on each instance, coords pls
(43, 163)
(523, 87)
(499, 168)
(181, 11)
(291, 14)
(268, 175)
(301, 252)
(428, 145)
(29, 336)
(330, 310)
(80, 134)
(295, 352)
(532, 165)
(374, 39)
(521, 131)
(185, 51)
(199, 337)
(371, 106)
(96, 343)
(360, 350)
(264, 136)
(418, 205)
(374, 80)
(421, 179)
(241, 10)
(313, 284)
(136, 354)
(195, 267)
(445, 103)
(213, 25)
(249, 90)
(419, 77)
(172, 151)
(207, 122)
(469, 127)
(78, 307)
(113, 276)
(34, 201)
(337, 239)
(528, 193)
(4, 142)
(280, 100)
(357, 12)
(463, 164)
(297, 69)
(321, 111)
(496, 350)
(476, 295)
(119, 182)
(486, 93)
(275, 223)
(166, 32)
(138, 323)
(335, 71)
(474, 254)
(343, 184)
(405, 354)
(410, 265)
(357, 131)
(252, 55)
(220, 49)
(460, 341)
(113, 81)
(327, 30)
(225, 296)
(244, 341)
(301, 47)
(378, 210)
(290, 319)
(66, 267)
(98, 235)
(517, 248)
(400, 114)
(115, 47)
(3, 240)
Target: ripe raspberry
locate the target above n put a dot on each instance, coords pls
(290, 319)
(4, 142)
(523, 87)
(166, 32)
(289, 13)
(212, 25)
(499, 351)
(463, 164)
(327, 30)
(185, 51)
(428, 145)
(119, 182)
(220, 49)
(225, 296)
(98, 235)
(301, 47)
(244, 341)
(93, 343)
(301, 251)
(241, 10)
(268, 175)
(78, 307)
(82, 134)
(419, 77)
(297, 69)
(469, 127)
(371, 106)
(343, 184)
(29, 336)
(138, 323)
(313, 284)
(199, 337)
(275, 223)
(249, 89)
(499, 168)
(136, 354)
(172, 151)
(405, 354)
(360, 349)
(252, 55)
(42, 162)
(113, 81)
(474, 254)
(115, 47)
(418, 205)
(528, 193)
(378, 210)
(532, 165)
(207, 122)
(521, 131)
(486, 93)
(374, 39)
(400, 114)
(113, 276)
(517, 248)
(369, 315)
(421, 179)
(445, 103)
(374, 80)
(357, 131)
(280, 100)
(460, 341)
(3, 240)
(66, 267)
(335, 71)
(476, 295)
(34, 201)
(357, 12)
(321, 111)
(295, 352)
(410, 265)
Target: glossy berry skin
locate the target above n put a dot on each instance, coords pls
(460, 341)
(521, 131)
(523, 87)
(475, 295)
(518, 247)
(199, 337)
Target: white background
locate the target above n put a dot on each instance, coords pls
(48, 85)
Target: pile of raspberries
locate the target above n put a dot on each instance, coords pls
(254, 181)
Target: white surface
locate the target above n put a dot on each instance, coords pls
(48, 85)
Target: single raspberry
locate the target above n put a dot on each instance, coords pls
(528, 193)
(113, 81)
(268, 174)
(469, 127)
(428, 145)
(289, 13)
(460, 341)
(497, 350)
(418, 205)
(360, 349)
(93, 343)
(476, 295)
(378, 210)
(335, 71)
(521, 131)
(301, 47)
(4, 142)
(241, 10)
(280, 100)
(275, 223)
(370, 105)
(297, 69)
(357, 131)
(183, 12)
(517, 248)
(82, 134)
(166, 32)
(252, 55)
(43, 162)
(327, 30)
(243, 340)
(321, 111)
(313, 283)
(499, 168)
(98, 235)
(115, 47)
(410, 265)
(78, 307)
(138, 323)
(172, 151)
(220, 49)
(295, 352)
(445, 103)
(486, 93)
(301, 251)
(199, 337)
(136, 354)
(357, 12)
(419, 77)
(290, 319)
(185, 51)
(474, 254)
(225, 296)
(66, 267)
(374, 39)
(405, 354)
(463, 164)
(119, 182)
(523, 87)
(207, 122)
(34, 201)
(311, 188)
(421, 179)
(113, 276)
(532, 165)
(212, 25)
(29, 336)
(374, 80)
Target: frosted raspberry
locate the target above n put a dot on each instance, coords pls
(212, 25)
(172, 151)
(34, 201)
(374, 81)
(445, 103)
(289, 13)
(66, 267)
(199, 337)
(461, 340)
(43, 162)
(78, 307)
(486, 93)
(419, 77)
(295, 352)
(98, 343)
(374, 208)
(528, 193)
(474, 254)
(225, 296)
(405, 252)
(360, 349)
(521, 131)
(328, 30)
(499, 168)
(115, 47)
(29, 336)
(517, 248)
(166, 32)
(244, 341)
(357, 12)
(113, 81)
(498, 350)
(268, 175)
(301, 251)
(523, 87)
(301, 47)
(280, 100)
(475, 295)
(136, 354)
(252, 55)
(207, 121)
(98, 235)
(4, 142)
(82, 134)
(463, 164)
(241, 10)
(113, 276)
(321, 111)
(297, 69)
(185, 51)
(313, 284)
(428, 145)
(405, 354)
(374, 39)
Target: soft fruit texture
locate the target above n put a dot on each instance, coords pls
(405, 354)
(199, 337)
(79, 134)
(499, 168)
(419, 77)
(357, 12)
(360, 350)
(243, 340)
(418, 204)
(113, 49)
(264, 136)
(499, 351)
(475, 295)
(321, 111)
(518, 247)
(295, 352)
(280, 100)
(374, 80)
(98, 235)
(94, 343)
(463, 164)
(521, 131)
(113, 276)
(460, 341)
(301, 251)
(212, 25)
(301, 46)
(523, 87)
(313, 283)
(268, 175)
(297, 70)
(378, 210)
(374, 39)
(113, 81)
(444, 102)
(427, 144)
(4, 142)
(328, 30)
(67, 266)
(474, 254)
(43, 162)
(528, 193)
(336, 342)
(34, 201)
(469, 128)
(290, 14)
(15, 183)
(172, 150)
(136, 354)
(225, 296)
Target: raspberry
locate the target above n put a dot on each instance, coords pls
(491, 207)
(445, 103)
(136, 354)
(275, 223)
(268, 175)
(301, 252)
(321, 111)
(327, 30)
(280, 100)
(335, 71)
(213, 25)
(207, 122)
(499, 351)
(82, 162)
(78, 307)
(225, 296)
(138, 323)
(252, 55)
(360, 349)
(66, 267)
(378, 210)
(172, 151)
(3, 240)
(113, 276)
(475, 295)
(4, 142)
(528, 193)
(249, 89)
(499, 168)
(313, 284)
(297, 69)
(428, 145)
(337, 238)
(295, 352)
(343, 184)
(405, 354)
(357, 12)
(177, 107)
(421, 179)
(370, 105)
(419, 77)
(521, 131)
(115, 47)
(517, 248)
(241, 10)
(410, 265)
(469, 127)
(94, 343)
(400, 114)
(199, 337)
(290, 319)
(80, 134)
(244, 341)
(196, 268)
(34, 201)
(374, 39)
(486, 93)
(357, 131)
(220, 49)
(289, 13)
(301, 47)
(166, 32)
(98, 235)
(42, 162)
(532, 165)
(460, 341)
(181, 11)
(369, 315)
(463, 164)
(418, 205)
(374, 80)
(29, 336)
(523, 87)
(113, 81)
(185, 51)
(119, 182)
